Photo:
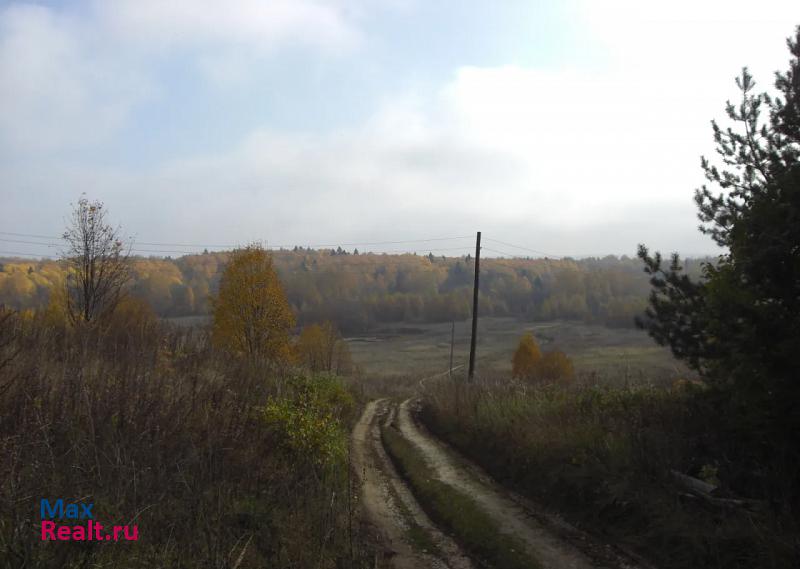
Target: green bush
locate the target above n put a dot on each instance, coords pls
(307, 420)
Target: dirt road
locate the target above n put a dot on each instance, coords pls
(410, 539)
(390, 506)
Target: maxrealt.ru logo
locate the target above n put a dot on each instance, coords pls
(78, 524)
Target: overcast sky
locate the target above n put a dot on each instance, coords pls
(569, 127)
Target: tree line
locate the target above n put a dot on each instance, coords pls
(359, 291)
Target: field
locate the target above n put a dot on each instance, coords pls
(606, 353)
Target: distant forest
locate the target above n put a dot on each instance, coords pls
(359, 291)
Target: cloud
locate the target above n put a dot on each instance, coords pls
(582, 159)
(250, 24)
(54, 91)
(69, 82)
(559, 175)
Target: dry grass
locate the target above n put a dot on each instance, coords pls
(608, 354)
(156, 429)
(602, 457)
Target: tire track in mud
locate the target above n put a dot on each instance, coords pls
(388, 503)
(551, 549)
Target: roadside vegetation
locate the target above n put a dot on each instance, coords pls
(604, 458)
(706, 473)
(215, 443)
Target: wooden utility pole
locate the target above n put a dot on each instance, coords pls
(475, 308)
(452, 342)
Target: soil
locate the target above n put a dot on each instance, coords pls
(389, 506)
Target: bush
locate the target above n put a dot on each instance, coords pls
(307, 421)
(603, 458)
(159, 430)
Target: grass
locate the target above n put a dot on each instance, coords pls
(454, 510)
(419, 537)
(151, 424)
(602, 458)
(599, 352)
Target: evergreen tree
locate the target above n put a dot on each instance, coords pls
(740, 324)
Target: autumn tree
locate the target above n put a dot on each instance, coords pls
(526, 359)
(250, 313)
(9, 331)
(555, 366)
(55, 313)
(97, 260)
(322, 348)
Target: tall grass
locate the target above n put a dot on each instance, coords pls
(157, 429)
(604, 457)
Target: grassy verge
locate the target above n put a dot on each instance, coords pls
(219, 462)
(419, 537)
(602, 457)
(454, 510)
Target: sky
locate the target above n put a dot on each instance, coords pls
(569, 127)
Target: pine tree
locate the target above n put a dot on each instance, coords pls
(740, 325)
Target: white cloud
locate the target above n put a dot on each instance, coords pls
(69, 81)
(252, 24)
(54, 91)
(573, 161)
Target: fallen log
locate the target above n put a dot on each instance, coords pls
(696, 488)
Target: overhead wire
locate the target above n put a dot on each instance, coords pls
(286, 248)
(28, 242)
(506, 243)
(27, 255)
(504, 253)
(161, 250)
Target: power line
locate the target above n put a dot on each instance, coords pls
(381, 242)
(285, 248)
(21, 254)
(465, 247)
(195, 253)
(276, 247)
(28, 242)
(29, 235)
(220, 246)
(525, 248)
(504, 253)
(52, 245)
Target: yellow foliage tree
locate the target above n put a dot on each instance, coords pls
(526, 359)
(556, 366)
(134, 315)
(251, 314)
(322, 348)
(55, 313)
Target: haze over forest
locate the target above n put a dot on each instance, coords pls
(573, 128)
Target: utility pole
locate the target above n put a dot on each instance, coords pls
(452, 341)
(475, 308)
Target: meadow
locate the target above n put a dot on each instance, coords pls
(599, 353)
